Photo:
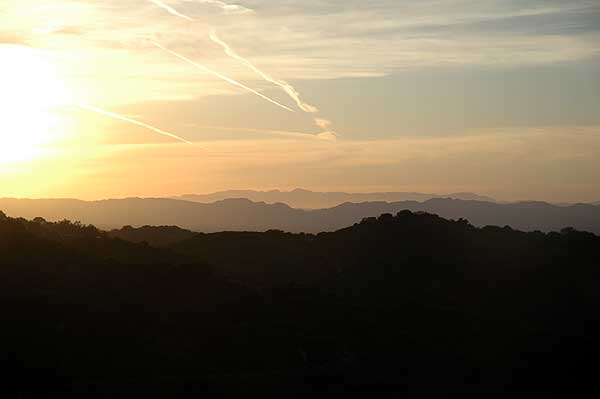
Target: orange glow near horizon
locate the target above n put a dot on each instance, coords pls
(111, 99)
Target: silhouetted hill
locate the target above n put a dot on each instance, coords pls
(388, 305)
(245, 215)
(232, 214)
(305, 199)
(158, 236)
(410, 303)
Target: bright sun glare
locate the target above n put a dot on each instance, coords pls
(30, 98)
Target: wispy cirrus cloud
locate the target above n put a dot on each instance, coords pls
(226, 7)
(401, 164)
(325, 125)
(322, 40)
(8, 38)
(299, 42)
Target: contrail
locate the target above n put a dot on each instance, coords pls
(324, 124)
(285, 86)
(228, 8)
(284, 133)
(132, 121)
(288, 88)
(170, 9)
(221, 76)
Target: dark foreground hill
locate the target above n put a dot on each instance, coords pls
(245, 215)
(411, 305)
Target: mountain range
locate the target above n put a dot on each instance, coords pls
(305, 199)
(246, 215)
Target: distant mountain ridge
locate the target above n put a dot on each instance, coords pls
(306, 199)
(246, 215)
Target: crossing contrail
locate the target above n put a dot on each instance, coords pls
(324, 124)
(221, 76)
(170, 9)
(288, 88)
(132, 121)
(227, 8)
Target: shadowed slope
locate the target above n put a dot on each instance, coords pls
(278, 314)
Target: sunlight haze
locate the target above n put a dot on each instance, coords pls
(122, 98)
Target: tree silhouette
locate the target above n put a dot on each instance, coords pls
(409, 303)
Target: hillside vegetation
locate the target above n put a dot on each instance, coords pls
(410, 303)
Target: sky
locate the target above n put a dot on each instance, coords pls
(120, 98)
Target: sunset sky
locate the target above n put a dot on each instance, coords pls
(119, 98)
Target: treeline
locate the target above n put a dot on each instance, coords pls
(408, 303)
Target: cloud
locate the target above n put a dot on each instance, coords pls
(10, 38)
(510, 163)
(304, 40)
(327, 133)
(323, 123)
(328, 136)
